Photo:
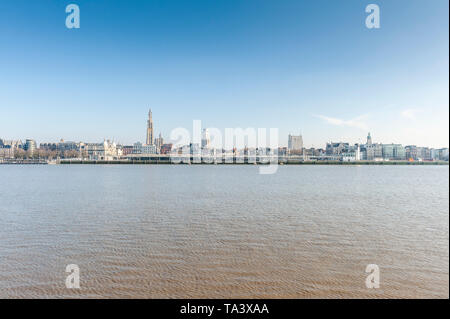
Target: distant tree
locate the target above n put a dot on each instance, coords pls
(70, 154)
(19, 153)
(53, 154)
(43, 153)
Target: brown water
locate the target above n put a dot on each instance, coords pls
(224, 231)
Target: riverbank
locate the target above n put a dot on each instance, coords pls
(23, 162)
(196, 161)
(288, 162)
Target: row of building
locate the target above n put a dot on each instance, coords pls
(106, 150)
(8, 149)
(109, 150)
(369, 151)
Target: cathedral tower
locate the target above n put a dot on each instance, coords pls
(149, 140)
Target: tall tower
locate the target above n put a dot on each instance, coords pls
(295, 142)
(149, 140)
(369, 140)
(159, 142)
(206, 141)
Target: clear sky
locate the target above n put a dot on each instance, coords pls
(309, 67)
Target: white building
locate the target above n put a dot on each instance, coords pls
(7, 148)
(139, 148)
(101, 151)
(148, 149)
(6, 152)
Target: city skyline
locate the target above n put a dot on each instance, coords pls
(294, 142)
(289, 65)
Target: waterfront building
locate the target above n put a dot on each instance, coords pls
(30, 146)
(319, 152)
(358, 155)
(373, 152)
(63, 146)
(149, 139)
(282, 151)
(434, 154)
(348, 157)
(127, 149)
(411, 152)
(337, 148)
(363, 150)
(101, 151)
(350, 154)
(295, 143)
(399, 152)
(424, 153)
(6, 151)
(137, 148)
(48, 146)
(443, 154)
(148, 149)
(388, 151)
(110, 150)
(119, 151)
(312, 153)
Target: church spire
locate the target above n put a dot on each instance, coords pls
(149, 140)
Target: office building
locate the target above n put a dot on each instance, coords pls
(295, 144)
(30, 146)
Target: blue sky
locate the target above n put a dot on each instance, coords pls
(300, 66)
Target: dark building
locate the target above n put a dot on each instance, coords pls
(337, 148)
(48, 146)
(166, 148)
(127, 149)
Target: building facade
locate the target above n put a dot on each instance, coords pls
(166, 149)
(30, 146)
(148, 149)
(101, 151)
(337, 148)
(295, 142)
(137, 148)
(127, 149)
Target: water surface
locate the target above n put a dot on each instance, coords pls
(224, 231)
